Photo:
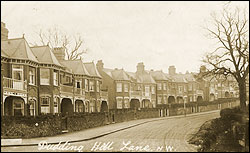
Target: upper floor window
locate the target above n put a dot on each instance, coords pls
(78, 83)
(17, 71)
(97, 86)
(32, 75)
(118, 87)
(44, 76)
(68, 79)
(164, 86)
(158, 86)
(55, 78)
(86, 84)
(190, 87)
(180, 89)
(153, 90)
(185, 88)
(91, 86)
(147, 90)
(125, 87)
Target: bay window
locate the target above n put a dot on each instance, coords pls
(17, 72)
(97, 86)
(45, 103)
(18, 107)
(125, 87)
(126, 103)
(32, 76)
(153, 90)
(91, 86)
(56, 103)
(164, 86)
(119, 103)
(118, 87)
(159, 86)
(86, 85)
(55, 78)
(31, 107)
(44, 76)
(159, 99)
(147, 90)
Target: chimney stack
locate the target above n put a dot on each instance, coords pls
(59, 53)
(99, 65)
(140, 67)
(172, 70)
(4, 32)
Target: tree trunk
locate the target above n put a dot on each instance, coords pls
(242, 90)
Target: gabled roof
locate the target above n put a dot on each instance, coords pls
(189, 77)
(179, 78)
(76, 66)
(45, 55)
(117, 74)
(134, 77)
(120, 74)
(91, 68)
(17, 48)
(159, 75)
(145, 77)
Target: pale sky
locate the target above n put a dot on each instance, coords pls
(122, 34)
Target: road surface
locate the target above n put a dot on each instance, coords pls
(164, 135)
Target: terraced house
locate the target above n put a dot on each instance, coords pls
(38, 80)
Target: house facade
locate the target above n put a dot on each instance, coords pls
(38, 80)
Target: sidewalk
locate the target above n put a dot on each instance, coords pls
(88, 134)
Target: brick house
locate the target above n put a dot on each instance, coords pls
(38, 80)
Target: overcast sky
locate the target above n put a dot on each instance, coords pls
(123, 34)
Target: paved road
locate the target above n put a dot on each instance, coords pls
(164, 135)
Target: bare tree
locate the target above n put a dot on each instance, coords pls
(54, 37)
(231, 57)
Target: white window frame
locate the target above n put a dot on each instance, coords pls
(86, 85)
(159, 86)
(164, 86)
(34, 107)
(125, 87)
(17, 70)
(126, 103)
(45, 108)
(159, 99)
(42, 80)
(153, 89)
(91, 86)
(147, 90)
(97, 86)
(119, 103)
(55, 78)
(118, 87)
(32, 76)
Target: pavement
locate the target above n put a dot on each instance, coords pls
(164, 131)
